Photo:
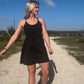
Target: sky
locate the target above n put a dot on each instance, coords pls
(59, 15)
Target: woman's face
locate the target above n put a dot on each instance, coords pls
(36, 9)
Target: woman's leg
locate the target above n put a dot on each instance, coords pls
(45, 72)
(31, 71)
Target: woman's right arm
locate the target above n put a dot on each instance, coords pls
(14, 36)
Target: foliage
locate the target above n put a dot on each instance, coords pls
(66, 33)
(7, 34)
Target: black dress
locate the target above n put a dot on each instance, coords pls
(33, 49)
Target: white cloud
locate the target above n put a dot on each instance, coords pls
(5, 0)
(49, 2)
(3, 18)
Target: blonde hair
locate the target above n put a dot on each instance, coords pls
(29, 7)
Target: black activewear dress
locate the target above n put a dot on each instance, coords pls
(33, 49)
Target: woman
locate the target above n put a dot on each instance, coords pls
(33, 50)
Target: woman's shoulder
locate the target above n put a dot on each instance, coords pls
(41, 20)
(22, 22)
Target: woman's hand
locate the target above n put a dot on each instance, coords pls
(50, 51)
(3, 52)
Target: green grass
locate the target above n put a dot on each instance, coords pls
(16, 47)
(75, 46)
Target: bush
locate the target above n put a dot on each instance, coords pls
(7, 34)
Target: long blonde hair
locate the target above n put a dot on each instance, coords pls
(29, 7)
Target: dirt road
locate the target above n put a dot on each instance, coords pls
(64, 69)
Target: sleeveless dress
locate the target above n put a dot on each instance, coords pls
(33, 49)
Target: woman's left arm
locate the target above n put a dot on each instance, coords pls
(45, 35)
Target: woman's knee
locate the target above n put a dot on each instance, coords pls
(32, 70)
(45, 68)
(32, 74)
(45, 73)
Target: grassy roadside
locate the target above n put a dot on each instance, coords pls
(75, 46)
(16, 47)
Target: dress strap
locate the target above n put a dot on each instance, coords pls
(25, 21)
(38, 20)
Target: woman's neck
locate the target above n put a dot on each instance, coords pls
(32, 17)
